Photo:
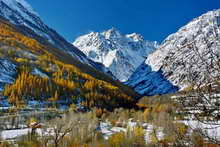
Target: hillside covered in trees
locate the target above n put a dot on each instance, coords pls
(43, 76)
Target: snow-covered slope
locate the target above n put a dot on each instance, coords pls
(188, 56)
(191, 53)
(122, 54)
(7, 72)
(20, 13)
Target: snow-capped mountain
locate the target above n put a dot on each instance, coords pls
(189, 56)
(122, 54)
(21, 14)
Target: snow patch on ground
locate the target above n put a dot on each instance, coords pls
(11, 134)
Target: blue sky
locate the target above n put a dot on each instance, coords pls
(154, 19)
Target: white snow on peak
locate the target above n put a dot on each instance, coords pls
(122, 54)
(111, 34)
(135, 37)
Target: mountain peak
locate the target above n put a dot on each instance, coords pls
(112, 33)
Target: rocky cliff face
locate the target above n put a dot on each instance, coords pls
(122, 54)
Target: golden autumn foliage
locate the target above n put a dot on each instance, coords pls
(101, 94)
(117, 140)
(181, 129)
(96, 93)
(139, 134)
(31, 86)
(64, 81)
(11, 37)
(21, 60)
(25, 85)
